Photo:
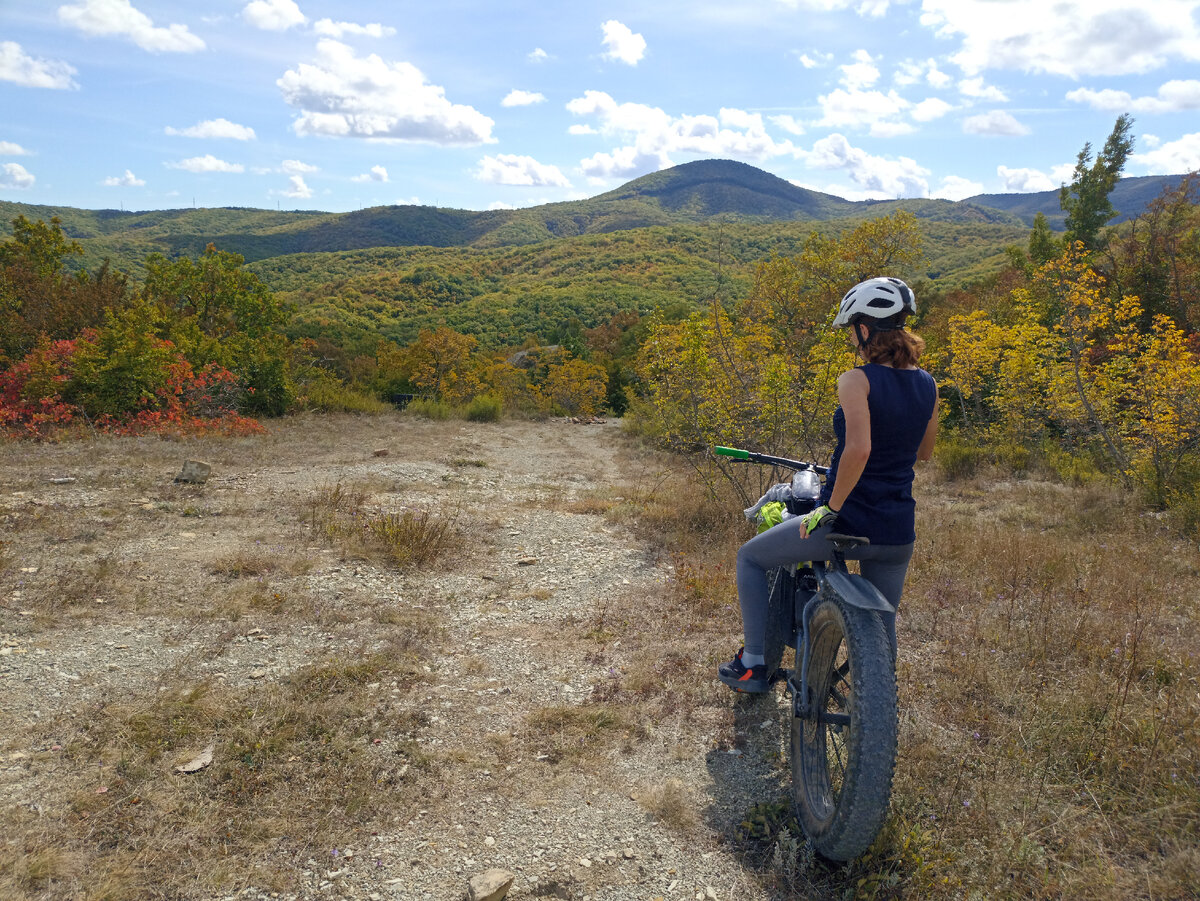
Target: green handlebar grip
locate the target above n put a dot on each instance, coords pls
(732, 452)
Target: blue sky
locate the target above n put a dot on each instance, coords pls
(309, 104)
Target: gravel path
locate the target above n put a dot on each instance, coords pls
(518, 613)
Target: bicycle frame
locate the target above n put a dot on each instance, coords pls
(833, 579)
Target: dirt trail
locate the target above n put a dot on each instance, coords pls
(552, 601)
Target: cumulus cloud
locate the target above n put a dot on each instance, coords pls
(653, 135)
(274, 15)
(517, 97)
(1024, 181)
(877, 176)
(8, 148)
(1171, 157)
(377, 173)
(582, 130)
(1173, 97)
(955, 187)
(977, 90)
(296, 167)
(843, 108)
(119, 18)
(214, 128)
(891, 129)
(622, 44)
(128, 180)
(510, 169)
(342, 95)
(1072, 38)
(537, 55)
(30, 72)
(206, 163)
(331, 29)
(997, 122)
(16, 177)
(928, 110)
(862, 73)
(790, 124)
(297, 188)
(911, 72)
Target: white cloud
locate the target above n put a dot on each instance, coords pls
(862, 73)
(955, 187)
(623, 162)
(790, 124)
(997, 122)
(345, 96)
(537, 55)
(621, 44)
(274, 15)
(859, 109)
(977, 90)
(1150, 142)
(1171, 158)
(1173, 97)
(1072, 38)
(377, 173)
(509, 169)
(296, 167)
(15, 176)
(582, 130)
(878, 176)
(19, 67)
(119, 18)
(331, 29)
(517, 97)
(128, 180)
(214, 128)
(928, 110)
(891, 129)
(8, 148)
(206, 163)
(654, 135)
(297, 188)
(1025, 181)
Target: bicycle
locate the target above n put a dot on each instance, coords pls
(842, 687)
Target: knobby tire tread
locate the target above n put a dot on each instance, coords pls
(862, 807)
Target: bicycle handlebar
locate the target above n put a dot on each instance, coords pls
(745, 456)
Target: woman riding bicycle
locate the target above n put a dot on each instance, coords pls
(886, 421)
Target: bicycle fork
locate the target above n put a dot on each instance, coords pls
(803, 705)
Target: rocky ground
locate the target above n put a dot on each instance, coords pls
(527, 747)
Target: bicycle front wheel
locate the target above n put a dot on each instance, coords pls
(844, 755)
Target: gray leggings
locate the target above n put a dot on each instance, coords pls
(883, 565)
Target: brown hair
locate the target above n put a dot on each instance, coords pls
(898, 347)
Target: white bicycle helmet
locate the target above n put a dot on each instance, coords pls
(878, 299)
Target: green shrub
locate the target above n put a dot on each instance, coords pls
(958, 457)
(429, 409)
(329, 395)
(484, 408)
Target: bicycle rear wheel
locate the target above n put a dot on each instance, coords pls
(842, 762)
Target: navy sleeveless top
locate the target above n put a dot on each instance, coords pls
(881, 506)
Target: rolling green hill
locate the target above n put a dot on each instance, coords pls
(689, 194)
(1129, 198)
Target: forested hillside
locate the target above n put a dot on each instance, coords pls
(691, 194)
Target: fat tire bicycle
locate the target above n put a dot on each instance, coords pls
(842, 688)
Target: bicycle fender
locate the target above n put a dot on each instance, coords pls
(858, 592)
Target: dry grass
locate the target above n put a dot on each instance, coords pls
(294, 765)
(343, 516)
(672, 804)
(1049, 683)
(575, 734)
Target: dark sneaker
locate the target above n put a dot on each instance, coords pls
(752, 680)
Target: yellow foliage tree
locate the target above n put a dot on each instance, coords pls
(576, 386)
(442, 362)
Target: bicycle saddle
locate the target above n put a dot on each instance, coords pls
(846, 542)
